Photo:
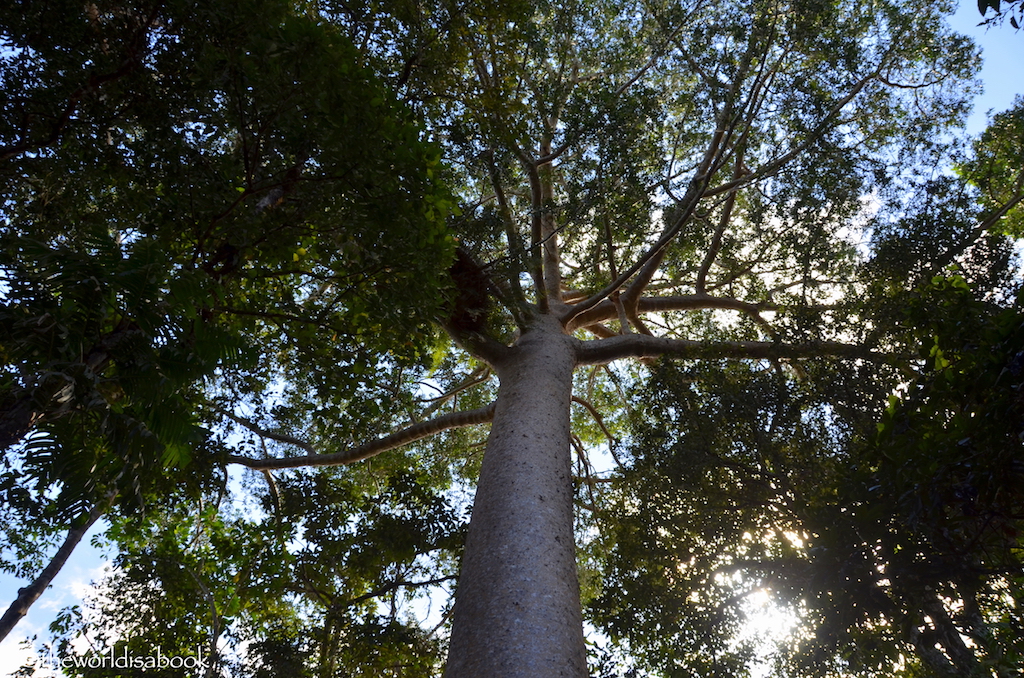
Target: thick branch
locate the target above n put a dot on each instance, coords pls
(536, 231)
(723, 223)
(30, 594)
(606, 310)
(549, 243)
(390, 442)
(484, 347)
(515, 243)
(716, 155)
(602, 331)
(651, 262)
(602, 351)
(701, 301)
(544, 256)
(647, 264)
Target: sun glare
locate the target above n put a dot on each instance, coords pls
(767, 620)
(767, 625)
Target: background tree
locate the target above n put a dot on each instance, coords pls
(894, 544)
(636, 180)
(1001, 10)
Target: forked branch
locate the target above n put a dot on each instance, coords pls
(647, 263)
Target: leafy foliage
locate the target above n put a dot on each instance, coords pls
(195, 207)
(297, 590)
(890, 546)
(179, 228)
(996, 167)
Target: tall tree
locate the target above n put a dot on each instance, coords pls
(637, 181)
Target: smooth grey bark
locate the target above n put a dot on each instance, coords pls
(517, 606)
(374, 447)
(31, 593)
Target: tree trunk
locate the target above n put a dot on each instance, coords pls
(517, 609)
(30, 594)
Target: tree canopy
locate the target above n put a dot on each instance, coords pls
(738, 247)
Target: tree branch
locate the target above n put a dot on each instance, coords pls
(597, 418)
(606, 310)
(602, 351)
(979, 231)
(699, 188)
(263, 433)
(723, 223)
(31, 593)
(407, 435)
(515, 244)
(549, 234)
(776, 165)
(477, 376)
(536, 253)
(649, 262)
(391, 586)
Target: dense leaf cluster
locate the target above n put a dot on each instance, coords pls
(189, 204)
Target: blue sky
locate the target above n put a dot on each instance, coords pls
(1003, 49)
(1003, 52)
